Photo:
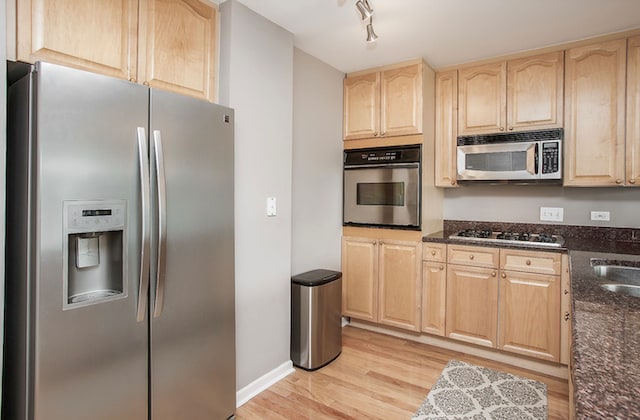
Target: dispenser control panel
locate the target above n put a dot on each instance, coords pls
(93, 216)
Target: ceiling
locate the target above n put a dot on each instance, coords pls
(443, 32)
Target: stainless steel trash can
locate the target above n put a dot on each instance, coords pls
(316, 330)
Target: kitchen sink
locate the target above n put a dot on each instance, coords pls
(617, 273)
(625, 289)
(626, 279)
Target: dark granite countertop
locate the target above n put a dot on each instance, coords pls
(606, 325)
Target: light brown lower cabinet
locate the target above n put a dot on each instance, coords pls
(472, 304)
(381, 281)
(434, 297)
(529, 320)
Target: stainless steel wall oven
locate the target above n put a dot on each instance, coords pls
(382, 187)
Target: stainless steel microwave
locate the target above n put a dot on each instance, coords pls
(527, 157)
(382, 187)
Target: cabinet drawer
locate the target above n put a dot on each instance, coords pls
(473, 255)
(530, 261)
(434, 252)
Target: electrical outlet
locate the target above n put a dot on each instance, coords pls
(551, 214)
(600, 215)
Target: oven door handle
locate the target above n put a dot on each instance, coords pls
(384, 165)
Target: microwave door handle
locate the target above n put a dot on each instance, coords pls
(537, 159)
(532, 159)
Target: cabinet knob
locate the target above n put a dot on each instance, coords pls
(510, 128)
(453, 182)
(375, 134)
(494, 274)
(381, 243)
(382, 133)
(132, 79)
(441, 267)
(503, 275)
(433, 252)
(566, 292)
(374, 242)
(632, 181)
(145, 83)
(618, 181)
(528, 262)
(567, 316)
(471, 257)
(501, 128)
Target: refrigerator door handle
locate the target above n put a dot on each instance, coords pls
(162, 222)
(143, 291)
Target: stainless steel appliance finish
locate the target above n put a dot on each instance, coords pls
(316, 308)
(514, 238)
(528, 157)
(151, 335)
(382, 187)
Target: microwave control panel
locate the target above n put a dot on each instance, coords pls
(550, 157)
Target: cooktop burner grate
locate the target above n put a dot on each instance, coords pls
(538, 239)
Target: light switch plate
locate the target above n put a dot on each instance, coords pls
(271, 206)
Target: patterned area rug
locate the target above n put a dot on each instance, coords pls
(465, 391)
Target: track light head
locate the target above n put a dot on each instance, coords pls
(364, 8)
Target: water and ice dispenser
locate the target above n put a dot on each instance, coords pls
(94, 249)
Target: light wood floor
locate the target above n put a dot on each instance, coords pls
(376, 377)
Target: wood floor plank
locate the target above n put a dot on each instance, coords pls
(377, 376)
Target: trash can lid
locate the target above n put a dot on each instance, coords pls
(316, 277)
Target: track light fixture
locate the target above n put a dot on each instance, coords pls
(366, 12)
(371, 36)
(364, 8)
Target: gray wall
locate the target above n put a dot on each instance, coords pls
(256, 79)
(317, 164)
(510, 203)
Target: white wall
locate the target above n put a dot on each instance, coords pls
(512, 203)
(317, 164)
(256, 79)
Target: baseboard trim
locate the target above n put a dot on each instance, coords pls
(264, 382)
(540, 366)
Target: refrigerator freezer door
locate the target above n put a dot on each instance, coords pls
(90, 361)
(193, 337)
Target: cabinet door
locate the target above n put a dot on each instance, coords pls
(399, 284)
(177, 46)
(362, 106)
(595, 114)
(472, 304)
(434, 297)
(530, 315)
(482, 98)
(94, 35)
(401, 101)
(446, 128)
(535, 92)
(360, 278)
(633, 112)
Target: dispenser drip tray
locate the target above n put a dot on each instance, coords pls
(93, 295)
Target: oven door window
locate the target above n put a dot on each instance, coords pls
(380, 193)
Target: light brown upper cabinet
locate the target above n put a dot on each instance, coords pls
(384, 103)
(633, 112)
(168, 44)
(595, 114)
(517, 95)
(446, 128)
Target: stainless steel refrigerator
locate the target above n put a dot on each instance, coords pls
(120, 251)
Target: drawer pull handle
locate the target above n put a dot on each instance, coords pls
(441, 267)
(528, 262)
(374, 242)
(493, 274)
(471, 256)
(503, 275)
(567, 316)
(433, 252)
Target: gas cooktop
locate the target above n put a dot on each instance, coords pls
(520, 238)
